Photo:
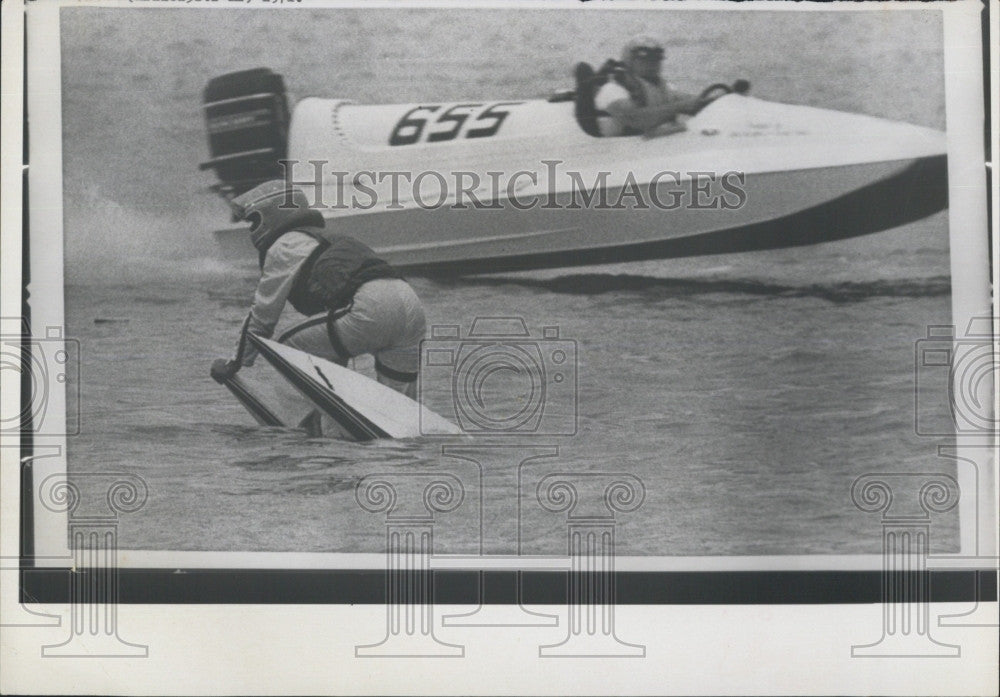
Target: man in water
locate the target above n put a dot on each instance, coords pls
(355, 302)
(636, 100)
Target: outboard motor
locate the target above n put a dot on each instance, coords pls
(247, 117)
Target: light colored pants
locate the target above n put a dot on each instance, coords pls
(386, 320)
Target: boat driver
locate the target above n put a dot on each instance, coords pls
(354, 302)
(636, 100)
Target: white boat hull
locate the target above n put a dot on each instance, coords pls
(329, 400)
(783, 210)
(745, 175)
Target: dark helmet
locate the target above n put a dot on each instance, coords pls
(271, 209)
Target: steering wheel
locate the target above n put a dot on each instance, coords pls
(708, 95)
(720, 87)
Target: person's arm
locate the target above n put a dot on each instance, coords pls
(689, 104)
(281, 265)
(647, 118)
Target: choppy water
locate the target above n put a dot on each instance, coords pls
(745, 391)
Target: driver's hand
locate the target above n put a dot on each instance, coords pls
(665, 129)
(222, 370)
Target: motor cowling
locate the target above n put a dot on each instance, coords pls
(246, 115)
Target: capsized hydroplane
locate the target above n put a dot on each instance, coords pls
(329, 400)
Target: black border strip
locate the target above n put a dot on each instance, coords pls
(279, 587)
(27, 494)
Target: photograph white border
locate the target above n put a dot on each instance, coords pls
(282, 649)
(970, 288)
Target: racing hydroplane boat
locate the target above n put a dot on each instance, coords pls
(488, 186)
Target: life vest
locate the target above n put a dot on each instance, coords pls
(333, 272)
(632, 85)
(641, 92)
